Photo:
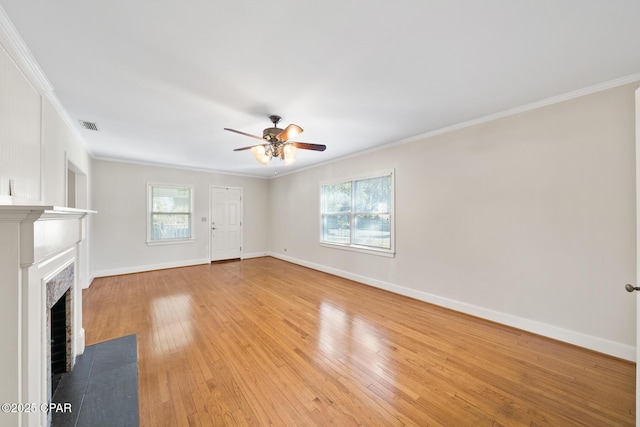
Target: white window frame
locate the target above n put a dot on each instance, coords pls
(191, 239)
(360, 248)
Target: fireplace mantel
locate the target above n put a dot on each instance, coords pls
(36, 242)
(40, 236)
(49, 209)
(32, 213)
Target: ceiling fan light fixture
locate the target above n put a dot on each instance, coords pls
(261, 154)
(289, 154)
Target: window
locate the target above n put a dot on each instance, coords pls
(170, 213)
(358, 214)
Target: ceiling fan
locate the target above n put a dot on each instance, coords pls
(276, 143)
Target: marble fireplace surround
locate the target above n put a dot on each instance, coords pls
(36, 244)
(61, 287)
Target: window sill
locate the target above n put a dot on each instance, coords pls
(362, 249)
(169, 242)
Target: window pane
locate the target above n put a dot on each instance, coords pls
(168, 199)
(373, 195)
(336, 228)
(336, 198)
(170, 213)
(358, 213)
(372, 230)
(170, 226)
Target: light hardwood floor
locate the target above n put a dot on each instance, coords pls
(264, 342)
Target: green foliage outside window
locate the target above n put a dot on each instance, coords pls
(358, 212)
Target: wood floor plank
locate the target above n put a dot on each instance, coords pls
(265, 342)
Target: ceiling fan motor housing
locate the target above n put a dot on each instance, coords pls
(269, 134)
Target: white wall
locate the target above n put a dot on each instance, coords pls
(60, 146)
(36, 145)
(528, 220)
(119, 228)
(35, 140)
(20, 123)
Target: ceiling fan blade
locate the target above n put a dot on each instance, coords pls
(289, 132)
(246, 148)
(244, 133)
(308, 146)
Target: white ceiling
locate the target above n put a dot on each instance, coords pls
(162, 78)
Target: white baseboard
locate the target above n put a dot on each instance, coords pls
(253, 255)
(601, 345)
(150, 267)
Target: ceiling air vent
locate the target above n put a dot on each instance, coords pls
(89, 125)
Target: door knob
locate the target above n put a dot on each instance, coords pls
(631, 288)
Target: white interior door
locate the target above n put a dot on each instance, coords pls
(226, 223)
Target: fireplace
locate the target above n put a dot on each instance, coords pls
(40, 261)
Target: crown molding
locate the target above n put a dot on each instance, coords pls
(524, 108)
(174, 166)
(18, 51)
(632, 78)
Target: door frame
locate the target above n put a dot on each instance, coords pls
(637, 252)
(211, 187)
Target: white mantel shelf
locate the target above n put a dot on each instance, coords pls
(36, 212)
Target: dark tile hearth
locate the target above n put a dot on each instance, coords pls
(102, 388)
